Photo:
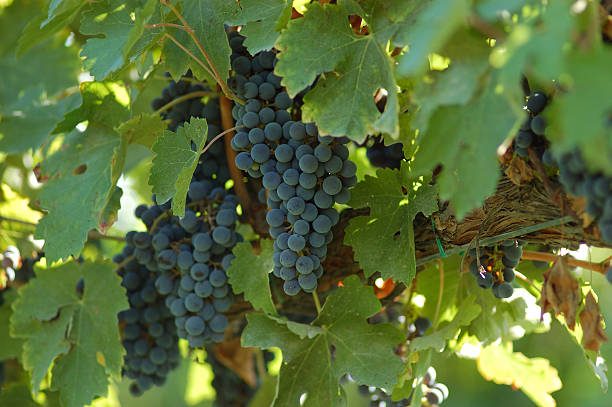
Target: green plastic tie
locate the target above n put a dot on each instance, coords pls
(438, 242)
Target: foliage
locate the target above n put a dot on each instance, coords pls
(447, 79)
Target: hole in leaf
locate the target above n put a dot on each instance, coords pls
(396, 235)
(80, 169)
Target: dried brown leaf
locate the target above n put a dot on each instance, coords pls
(239, 359)
(518, 171)
(593, 333)
(560, 292)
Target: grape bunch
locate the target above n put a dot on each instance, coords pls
(147, 329)
(532, 131)
(497, 264)
(383, 156)
(302, 172)
(191, 107)
(434, 393)
(596, 187)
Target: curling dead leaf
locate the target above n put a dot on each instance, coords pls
(593, 333)
(560, 292)
(518, 171)
(239, 359)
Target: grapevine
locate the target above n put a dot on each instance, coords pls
(318, 203)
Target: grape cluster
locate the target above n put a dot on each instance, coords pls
(202, 292)
(147, 328)
(433, 393)
(596, 187)
(191, 107)
(497, 265)
(383, 156)
(531, 133)
(302, 172)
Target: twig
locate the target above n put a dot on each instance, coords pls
(548, 257)
(189, 53)
(187, 96)
(180, 27)
(524, 278)
(498, 238)
(124, 262)
(317, 303)
(437, 313)
(227, 122)
(218, 136)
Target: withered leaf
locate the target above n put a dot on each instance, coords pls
(239, 359)
(593, 333)
(560, 292)
(518, 171)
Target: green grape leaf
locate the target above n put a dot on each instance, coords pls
(455, 85)
(10, 347)
(27, 123)
(428, 285)
(17, 395)
(248, 274)
(589, 73)
(394, 201)
(345, 344)
(78, 191)
(534, 376)
(467, 312)
(143, 129)
(80, 336)
(434, 23)
(409, 384)
(122, 27)
(105, 103)
(354, 68)
(207, 18)
(257, 16)
(29, 108)
(48, 23)
(174, 163)
(464, 139)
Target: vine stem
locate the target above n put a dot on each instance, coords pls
(524, 278)
(227, 122)
(218, 136)
(178, 100)
(215, 72)
(548, 257)
(498, 238)
(315, 296)
(198, 60)
(92, 234)
(437, 313)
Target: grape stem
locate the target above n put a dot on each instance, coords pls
(439, 303)
(218, 136)
(215, 73)
(178, 100)
(178, 44)
(524, 278)
(548, 257)
(92, 234)
(317, 303)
